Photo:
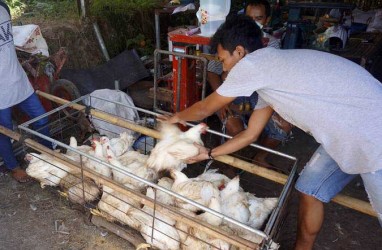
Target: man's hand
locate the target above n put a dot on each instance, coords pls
(203, 155)
(171, 119)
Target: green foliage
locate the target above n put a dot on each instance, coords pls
(16, 6)
(54, 9)
(126, 24)
(143, 45)
(126, 7)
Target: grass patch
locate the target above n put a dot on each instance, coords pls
(43, 9)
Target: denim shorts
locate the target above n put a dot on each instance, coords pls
(272, 130)
(323, 179)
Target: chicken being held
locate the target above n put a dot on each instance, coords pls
(46, 169)
(175, 147)
(199, 191)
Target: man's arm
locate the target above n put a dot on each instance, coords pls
(256, 124)
(201, 109)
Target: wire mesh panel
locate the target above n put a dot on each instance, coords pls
(129, 178)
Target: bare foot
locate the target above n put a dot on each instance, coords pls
(20, 175)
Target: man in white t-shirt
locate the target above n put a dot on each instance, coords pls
(234, 116)
(335, 100)
(15, 90)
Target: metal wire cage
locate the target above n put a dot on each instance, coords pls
(143, 203)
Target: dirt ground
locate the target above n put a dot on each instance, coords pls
(35, 218)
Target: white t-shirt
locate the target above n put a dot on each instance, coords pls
(332, 98)
(14, 83)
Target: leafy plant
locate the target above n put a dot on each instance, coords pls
(16, 6)
(43, 8)
(126, 24)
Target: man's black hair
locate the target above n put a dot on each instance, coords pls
(259, 2)
(237, 30)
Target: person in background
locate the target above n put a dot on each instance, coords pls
(311, 89)
(15, 90)
(234, 116)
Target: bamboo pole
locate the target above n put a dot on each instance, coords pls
(165, 209)
(344, 200)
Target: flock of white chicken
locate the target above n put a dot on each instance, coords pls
(211, 189)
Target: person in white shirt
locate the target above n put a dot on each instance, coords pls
(15, 90)
(335, 100)
(234, 116)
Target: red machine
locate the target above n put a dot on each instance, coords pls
(43, 73)
(186, 88)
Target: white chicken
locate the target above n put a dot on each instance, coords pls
(83, 148)
(175, 147)
(132, 156)
(219, 180)
(135, 167)
(79, 190)
(162, 196)
(97, 166)
(198, 239)
(151, 194)
(163, 236)
(199, 191)
(116, 206)
(195, 237)
(260, 209)
(235, 203)
(118, 145)
(46, 169)
(210, 218)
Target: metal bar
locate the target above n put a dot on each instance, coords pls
(204, 60)
(83, 9)
(155, 79)
(178, 54)
(27, 123)
(177, 108)
(157, 29)
(282, 199)
(176, 195)
(101, 41)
